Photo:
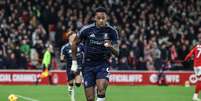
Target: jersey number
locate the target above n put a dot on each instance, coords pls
(199, 52)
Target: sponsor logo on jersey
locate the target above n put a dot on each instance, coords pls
(92, 35)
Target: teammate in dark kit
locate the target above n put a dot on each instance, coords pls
(66, 54)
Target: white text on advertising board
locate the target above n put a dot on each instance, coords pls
(172, 78)
(126, 78)
(24, 77)
(5, 78)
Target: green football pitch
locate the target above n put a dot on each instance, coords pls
(114, 93)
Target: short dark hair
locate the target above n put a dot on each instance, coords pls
(100, 9)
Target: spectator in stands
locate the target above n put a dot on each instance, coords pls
(138, 21)
(2, 60)
(34, 59)
(11, 62)
(25, 47)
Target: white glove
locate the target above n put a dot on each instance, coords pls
(74, 66)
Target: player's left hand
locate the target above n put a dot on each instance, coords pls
(108, 44)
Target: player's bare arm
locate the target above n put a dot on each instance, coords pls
(74, 48)
(74, 52)
(61, 57)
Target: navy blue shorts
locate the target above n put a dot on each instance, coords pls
(70, 74)
(91, 74)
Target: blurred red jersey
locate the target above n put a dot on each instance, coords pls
(196, 52)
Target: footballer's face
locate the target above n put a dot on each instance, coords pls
(101, 19)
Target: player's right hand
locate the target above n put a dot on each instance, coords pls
(74, 66)
(108, 44)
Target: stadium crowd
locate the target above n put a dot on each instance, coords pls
(153, 34)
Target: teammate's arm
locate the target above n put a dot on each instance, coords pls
(62, 55)
(75, 41)
(74, 48)
(189, 54)
(80, 36)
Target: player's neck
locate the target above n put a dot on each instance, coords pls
(98, 26)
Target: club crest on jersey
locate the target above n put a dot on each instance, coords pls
(106, 36)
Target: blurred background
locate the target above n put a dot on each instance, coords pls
(153, 33)
(155, 36)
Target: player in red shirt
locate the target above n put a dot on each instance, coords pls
(196, 52)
